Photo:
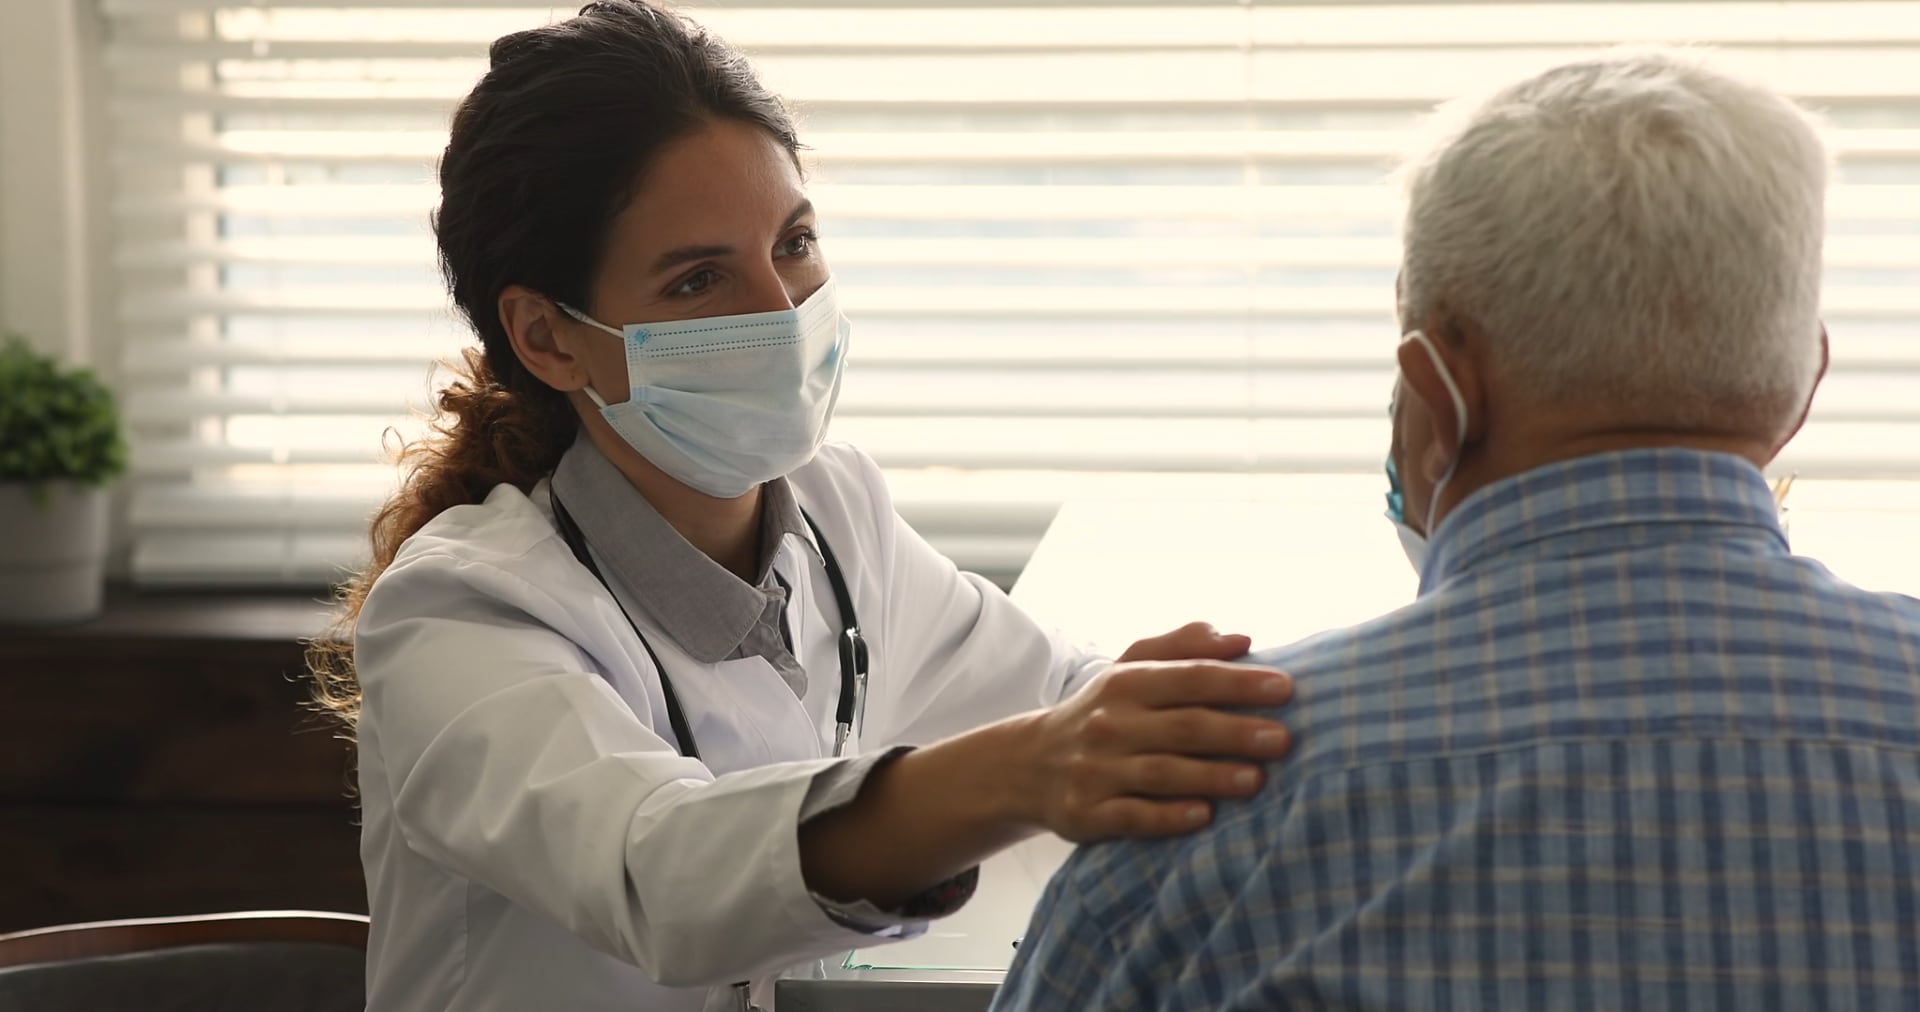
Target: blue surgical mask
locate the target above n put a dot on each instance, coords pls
(1413, 542)
(725, 403)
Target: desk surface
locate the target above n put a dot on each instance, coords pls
(980, 936)
(1315, 553)
(1302, 557)
(1111, 572)
(1277, 568)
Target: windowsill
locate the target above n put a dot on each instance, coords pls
(174, 617)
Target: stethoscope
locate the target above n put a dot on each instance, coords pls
(853, 646)
(853, 663)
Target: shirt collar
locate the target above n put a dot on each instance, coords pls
(707, 610)
(1605, 501)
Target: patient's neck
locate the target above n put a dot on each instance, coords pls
(1515, 449)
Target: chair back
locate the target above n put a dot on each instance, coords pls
(282, 960)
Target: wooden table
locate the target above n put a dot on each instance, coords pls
(161, 760)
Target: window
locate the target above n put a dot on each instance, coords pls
(1087, 244)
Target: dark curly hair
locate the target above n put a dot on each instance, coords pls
(545, 152)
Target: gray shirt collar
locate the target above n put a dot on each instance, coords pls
(707, 610)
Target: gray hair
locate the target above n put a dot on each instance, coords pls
(1635, 227)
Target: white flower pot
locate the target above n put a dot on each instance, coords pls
(53, 552)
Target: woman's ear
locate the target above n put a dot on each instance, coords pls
(542, 337)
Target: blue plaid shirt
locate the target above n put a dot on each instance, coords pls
(1624, 752)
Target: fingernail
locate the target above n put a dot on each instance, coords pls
(1245, 779)
(1195, 814)
(1276, 738)
(1276, 688)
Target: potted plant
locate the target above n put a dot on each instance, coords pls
(60, 444)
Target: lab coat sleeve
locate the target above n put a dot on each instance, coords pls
(960, 652)
(837, 788)
(512, 764)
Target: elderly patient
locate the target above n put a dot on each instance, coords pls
(1625, 751)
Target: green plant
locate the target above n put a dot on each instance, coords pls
(55, 424)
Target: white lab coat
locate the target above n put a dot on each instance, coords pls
(532, 840)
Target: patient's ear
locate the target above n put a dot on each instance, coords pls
(1456, 347)
(1826, 359)
(1425, 414)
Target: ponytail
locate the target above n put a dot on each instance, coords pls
(542, 157)
(485, 435)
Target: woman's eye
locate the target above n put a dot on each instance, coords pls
(799, 245)
(695, 283)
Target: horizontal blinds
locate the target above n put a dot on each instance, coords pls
(1090, 247)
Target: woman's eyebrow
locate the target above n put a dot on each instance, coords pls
(804, 208)
(687, 254)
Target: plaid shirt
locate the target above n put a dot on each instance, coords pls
(1624, 752)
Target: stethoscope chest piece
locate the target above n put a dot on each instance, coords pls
(854, 655)
(854, 665)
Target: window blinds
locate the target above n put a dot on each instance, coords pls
(1088, 245)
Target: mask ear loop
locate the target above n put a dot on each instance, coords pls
(1459, 414)
(590, 321)
(592, 394)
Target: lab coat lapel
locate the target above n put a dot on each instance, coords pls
(744, 715)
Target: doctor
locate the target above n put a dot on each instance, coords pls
(638, 666)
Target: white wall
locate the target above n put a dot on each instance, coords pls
(56, 283)
(53, 182)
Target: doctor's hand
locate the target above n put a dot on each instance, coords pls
(1195, 641)
(1141, 750)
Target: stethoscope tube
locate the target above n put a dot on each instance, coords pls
(854, 657)
(855, 660)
